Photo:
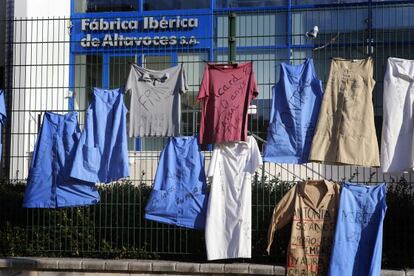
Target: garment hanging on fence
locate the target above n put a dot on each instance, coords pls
(229, 213)
(295, 108)
(49, 184)
(102, 154)
(225, 95)
(357, 246)
(3, 117)
(345, 132)
(179, 193)
(312, 206)
(397, 143)
(154, 100)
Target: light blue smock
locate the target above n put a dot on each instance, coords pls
(179, 193)
(3, 117)
(102, 154)
(357, 245)
(295, 109)
(49, 184)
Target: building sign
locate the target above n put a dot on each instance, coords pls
(150, 32)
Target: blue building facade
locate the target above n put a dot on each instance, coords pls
(107, 36)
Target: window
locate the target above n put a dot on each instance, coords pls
(194, 67)
(87, 75)
(150, 5)
(105, 5)
(350, 23)
(249, 3)
(254, 29)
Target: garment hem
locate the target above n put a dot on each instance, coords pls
(53, 206)
(240, 256)
(343, 162)
(169, 221)
(286, 159)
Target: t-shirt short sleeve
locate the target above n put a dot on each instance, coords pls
(204, 86)
(254, 92)
(213, 163)
(129, 87)
(131, 79)
(255, 156)
(183, 80)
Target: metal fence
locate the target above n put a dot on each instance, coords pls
(42, 74)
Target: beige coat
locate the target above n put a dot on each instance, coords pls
(312, 207)
(345, 132)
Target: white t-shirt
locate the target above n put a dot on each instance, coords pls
(229, 212)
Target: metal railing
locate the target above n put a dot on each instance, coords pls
(44, 73)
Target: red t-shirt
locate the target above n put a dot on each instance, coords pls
(225, 94)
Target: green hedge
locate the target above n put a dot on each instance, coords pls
(115, 228)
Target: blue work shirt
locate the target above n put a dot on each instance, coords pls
(102, 154)
(49, 184)
(179, 193)
(295, 109)
(3, 117)
(357, 245)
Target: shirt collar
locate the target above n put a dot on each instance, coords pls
(330, 191)
(400, 70)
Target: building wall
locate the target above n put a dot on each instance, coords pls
(40, 72)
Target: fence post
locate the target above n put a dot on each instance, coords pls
(8, 88)
(232, 37)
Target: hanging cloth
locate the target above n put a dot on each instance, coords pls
(49, 184)
(357, 246)
(179, 193)
(154, 100)
(3, 117)
(311, 206)
(226, 92)
(345, 132)
(229, 213)
(102, 154)
(397, 143)
(295, 108)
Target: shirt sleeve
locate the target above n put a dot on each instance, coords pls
(255, 156)
(282, 215)
(183, 80)
(204, 86)
(213, 163)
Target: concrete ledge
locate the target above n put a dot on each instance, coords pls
(92, 267)
(387, 272)
(163, 266)
(257, 269)
(47, 263)
(116, 265)
(69, 264)
(236, 268)
(409, 272)
(212, 268)
(139, 266)
(187, 267)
